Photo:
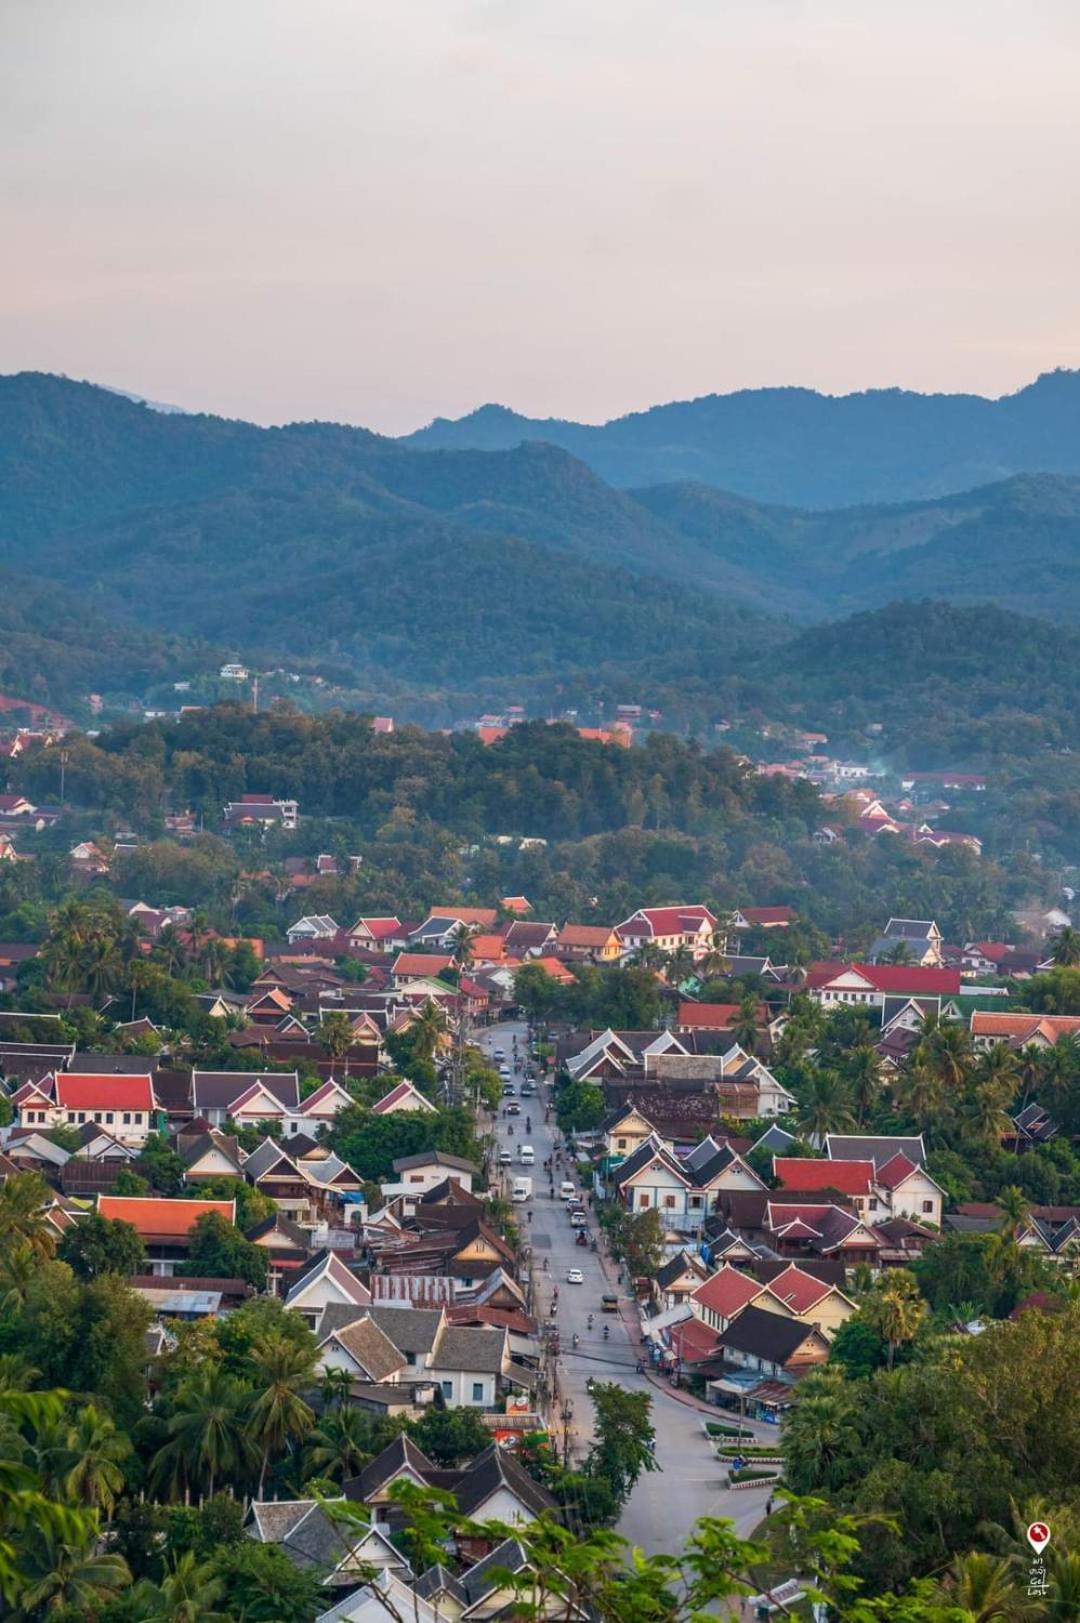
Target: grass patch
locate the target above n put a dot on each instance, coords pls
(754, 1475)
(713, 1428)
(738, 1451)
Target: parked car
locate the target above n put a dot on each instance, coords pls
(566, 1189)
(578, 1220)
(574, 1276)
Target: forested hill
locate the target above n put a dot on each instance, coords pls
(805, 449)
(434, 583)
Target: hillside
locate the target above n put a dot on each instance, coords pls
(804, 449)
(436, 581)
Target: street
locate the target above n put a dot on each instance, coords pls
(690, 1481)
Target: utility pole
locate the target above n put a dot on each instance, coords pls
(65, 755)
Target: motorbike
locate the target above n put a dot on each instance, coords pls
(607, 1333)
(551, 1192)
(575, 1339)
(639, 1367)
(528, 1124)
(510, 1130)
(580, 1238)
(590, 1321)
(593, 1244)
(545, 1265)
(554, 1310)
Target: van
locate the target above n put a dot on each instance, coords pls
(505, 1158)
(522, 1189)
(566, 1189)
(526, 1155)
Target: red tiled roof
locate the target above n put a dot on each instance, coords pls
(669, 920)
(847, 1177)
(768, 915)
(421, 964)
(171, 1218)
(900, 979)
(727, 1292)
(800, 1291)
(88, 1091)
(694, 1341)
(894, 1171)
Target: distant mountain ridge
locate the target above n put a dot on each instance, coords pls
(461, 573)
(800, 448)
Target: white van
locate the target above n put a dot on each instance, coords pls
(526, 1155)
(522, 1189)
(566, 1189)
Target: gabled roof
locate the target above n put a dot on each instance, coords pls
(652, 1150)
(767, 1335)
(846, 1177)
(658, 921)
(328, 1265)
(268, 1156)
(437, 1158)
(800, 1291)
(877, 1147)
(369, 1347)
(87, 1091)
(487, 1574)
(494, 1469)
(677, 1266)
(217, 1090)
(399, 1456)
(329, 1090)
(166, 1217)
(726, 1292)
(398, 1095)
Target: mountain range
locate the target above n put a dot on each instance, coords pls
(411, 572)
(803, 449)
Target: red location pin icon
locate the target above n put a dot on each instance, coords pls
(1038, 1535)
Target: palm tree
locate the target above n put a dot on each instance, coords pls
(336, 1035)
(897, 1310)
(680, 965)
(649, 956)
(336, 1387)
(1066, 947)
(207, 1437)
(745, 1028)
(918, 1092)
(949, 1052)
(140, 977)
(18, 1270)
(825, 1107)
(984, 1589)
(95, 1449)
(188, 1593)
(279, 1416)
(219, 963)
(461, 946)
(57, 1575)
(818, 1431)
(864, 1075)
(428, 1028)
(1015, 1209)
(340, 1447)
(24, 1201)
(900, 954)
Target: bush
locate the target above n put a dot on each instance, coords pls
(715, 1429)
(753, 1476)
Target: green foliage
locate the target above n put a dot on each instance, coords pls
(451, 1436)
(102, 1245)
(218, 1250)
(580, 1107)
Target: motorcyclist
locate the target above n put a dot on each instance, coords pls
(590, 1321)
(575, 1339)
(607, 1331)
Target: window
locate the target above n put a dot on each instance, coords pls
(97, 1115)
(447, 1389)
(478, 1391)
(127, 1118)
(82, 1115)
(138, 1118)
(643, 1198)
(669, 1201)
(695, 1203)
(620, 1143)
(928, 1205)
(108, 1118)
(71, 1115)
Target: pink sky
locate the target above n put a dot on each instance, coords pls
(380, 212)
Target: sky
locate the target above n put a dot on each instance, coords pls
(380, 211)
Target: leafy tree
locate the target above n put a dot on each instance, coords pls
(24, 1200)
(896, 1310)
(451, 1436)
(580, 1107)
(341, 1444)
(162, 1165)
(218, 1250)
(102, 1245)
(279, 1418)
(263, 1586)
(621, 1448)
(207, 1440)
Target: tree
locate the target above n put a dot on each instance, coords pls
(336, 1035)
(102, 1245)
(188, 1592)
(821, 1431)
(896, 1310)
(427, 1031)
(163, 1165)
(451, 1436)
(94, 1452)
(745, 1028)
(637, 1238)
(622, 1445)
(219, 1251)
(1065, 949)
(987, 1590)
(863, 1072)
(580, 1107)
(824, 1106)
(340, 1446)
(279, 1417)
(24, 1200)
(263, 1586)
(1015, 1209)
(56, 1574)
(207, 1438)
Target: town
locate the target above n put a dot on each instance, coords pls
(566, 1223)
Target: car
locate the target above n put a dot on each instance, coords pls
(504, 1071)
(527, 1090)
(578, 1220)
(566, 1189)
(505, 1158)
(513, 1108)
(508, 1090)
(498, 1053)
(574, 1276)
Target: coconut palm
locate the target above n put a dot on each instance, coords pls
(18, 1270)
(948, 1051)
(94, 1451)
(427, 1029)
(1065, 949)
(461, 946)
(649, 956)
(219, 963)
(336, 1035)
(279, 1415)
(919, 1093)
(1014, 1209)
(864, 1077)
(187, 1593)
(140, 977)
(745, 1028)
(825, 1107)
(207, 1436)
(56, 1574)
(340, 1446)
(336, 1387)
(24, 1201)
(984, 1588)
(679, 966)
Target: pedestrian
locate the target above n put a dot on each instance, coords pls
(768, 1507)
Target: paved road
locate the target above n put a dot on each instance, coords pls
(690, 1482)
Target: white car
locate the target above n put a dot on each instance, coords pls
(578, 1220)
(574, 1276)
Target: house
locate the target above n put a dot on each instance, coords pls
(624, 1130)
(687, 928)
(400, 1461)
(683, 1192)
(762, 918)
(313, 927)
(871, 985)
(920, 937)
(326, 1280)
(592, 943)
(853, 1180)
(404, 1096)
(723, 1296)
(287, 1247)
(339, 1552)
(123, 1103)
(677, 1279)
(382, 934)
(209, 1154)
(361, 1349)
(261, 811)
(411, 966)
(745, 1088)
(165, 1226)
(218, 1096)
(812, 1300)
(796, 1227)
(715, 1016)
(495, 1487)
(1021, 1029)
(771, 1346)
(419, 1173)
(526, 939)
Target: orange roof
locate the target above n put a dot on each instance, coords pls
(810, 1177)
(492, 735)
(585, 935)
(516, 904)
(989, 1023)
(171, 1218)
(553, 967)
(485, 917)
(419, 964)
(488, 946)
(708, 1016)
(619, 734)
